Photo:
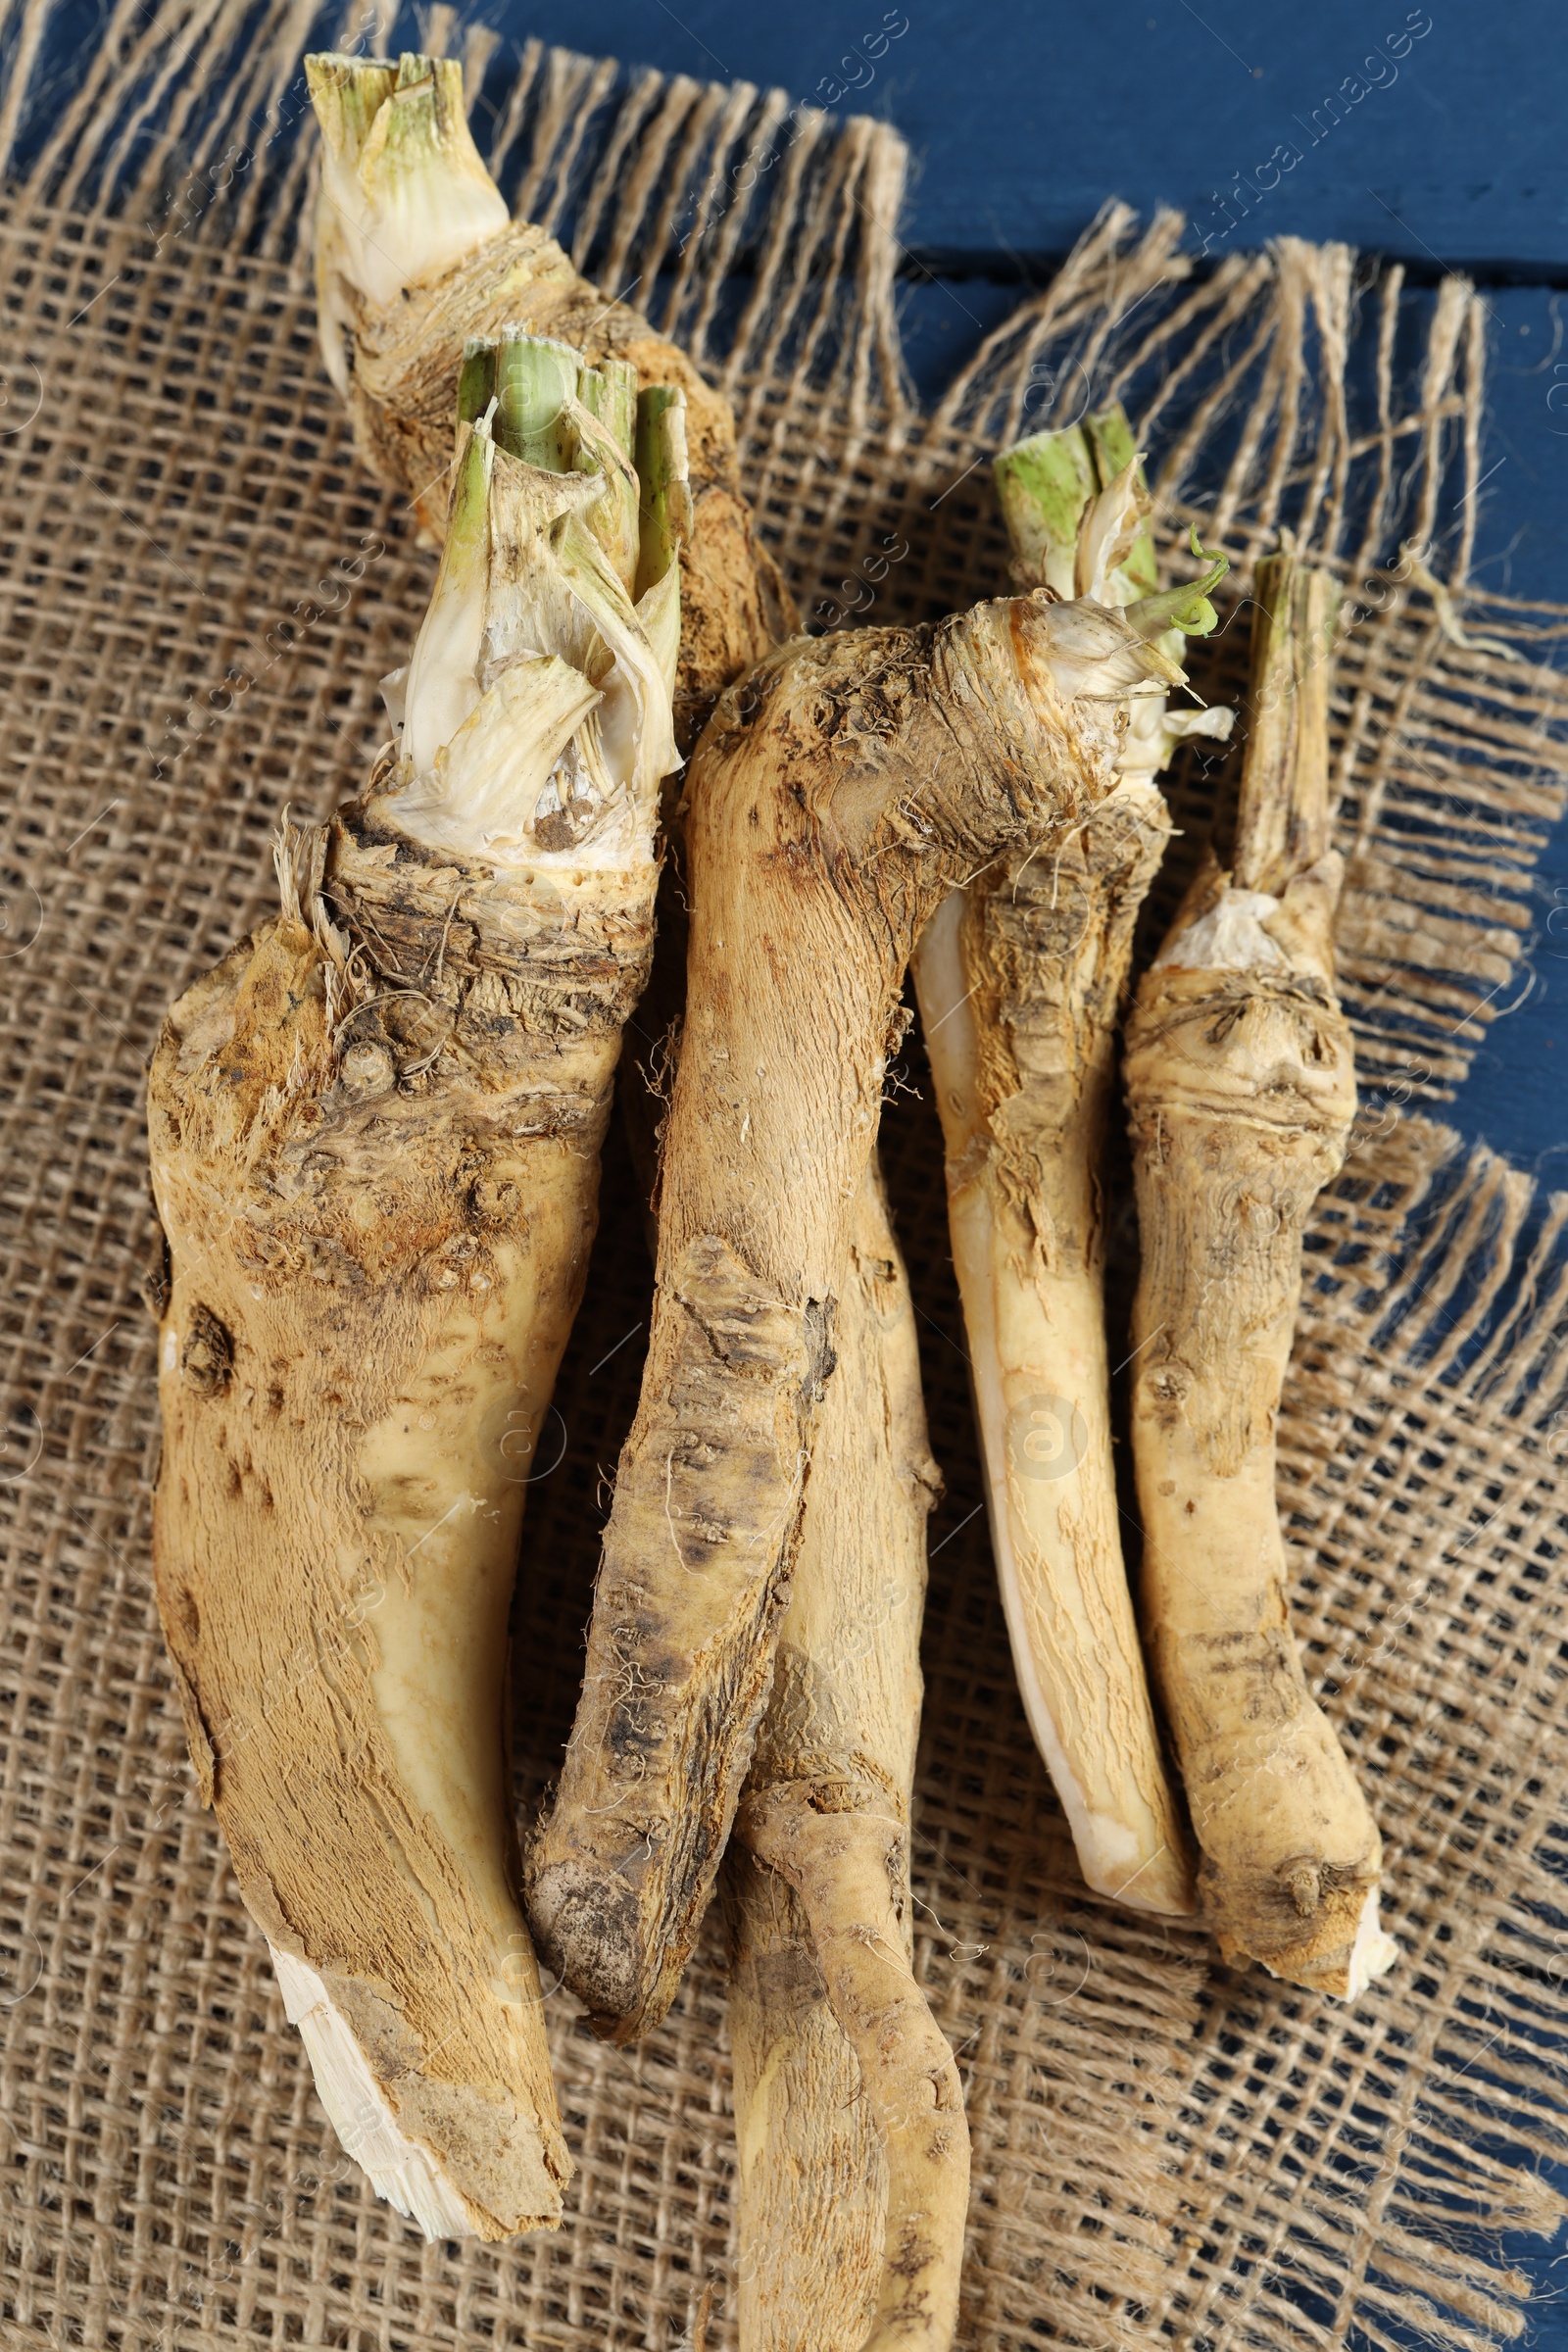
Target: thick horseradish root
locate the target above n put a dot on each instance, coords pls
(1242, 1089)
(415, 254)
(849, 2111)
(1020, 977)
(816, 2123)
(374, 1134)
(835, 798)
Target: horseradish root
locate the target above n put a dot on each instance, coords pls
(415, 254)
(374, 1134)
(835, 798)
(1242, 1089)
(849, 2111)
(817, 2128)
(1020, 978)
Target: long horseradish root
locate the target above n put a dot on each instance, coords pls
(835, 798)
(1020, 978)
(849, 2111)
(415, 254)
(1241, 1088)
(374, 1132)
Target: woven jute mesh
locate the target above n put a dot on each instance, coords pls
(202, 592)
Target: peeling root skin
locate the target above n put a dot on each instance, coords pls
(1343, 1968)
(412, 2173)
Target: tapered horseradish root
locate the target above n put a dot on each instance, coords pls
(836, 796)
(416, 255)
(374, 1134)
(1242, 1089)
(1020, 978)
(849, 2111)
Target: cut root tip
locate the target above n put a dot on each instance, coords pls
(1372, 1954)
(1341, 1958)
(357, 2108)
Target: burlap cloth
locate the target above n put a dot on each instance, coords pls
(202, 591)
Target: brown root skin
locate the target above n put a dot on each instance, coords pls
(842, 2074)
(834, 800)
(845, 1863)
(1020, 978)
(378, 1191)
(812, 2175)
(406, 356)
(1048, 945)
(1020, 981)
(1241, 1098)
(1242, 1089)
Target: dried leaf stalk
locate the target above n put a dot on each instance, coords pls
(414, 254)
(1240, 1085)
